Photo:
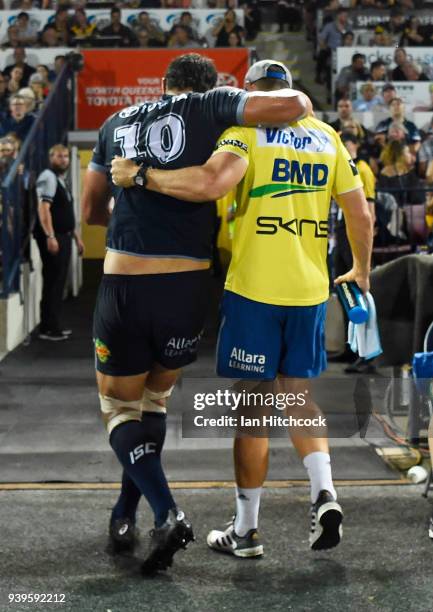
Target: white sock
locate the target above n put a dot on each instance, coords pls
(318, 465)
(247, 509)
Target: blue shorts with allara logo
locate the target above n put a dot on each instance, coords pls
(258, 340)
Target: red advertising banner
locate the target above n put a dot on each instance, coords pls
(115, 78)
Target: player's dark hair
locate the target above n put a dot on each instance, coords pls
(270, 84)
(191, 71)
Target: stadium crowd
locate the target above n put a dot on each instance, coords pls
(24, 87)
(71, 26)
(397, 149)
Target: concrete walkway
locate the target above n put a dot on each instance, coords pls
(54, 542)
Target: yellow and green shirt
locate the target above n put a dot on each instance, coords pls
(281, 226)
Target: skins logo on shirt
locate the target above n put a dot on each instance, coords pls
(234, 143)
(102, 351)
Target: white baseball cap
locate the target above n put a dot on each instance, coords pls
(263, 70)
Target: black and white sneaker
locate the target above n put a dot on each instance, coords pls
(326, 518)
(165, 541)
(52, 336)
(123, 535)
(430, 528)
(240, 546)
(66, 332)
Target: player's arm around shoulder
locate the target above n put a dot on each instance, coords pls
(272, 108)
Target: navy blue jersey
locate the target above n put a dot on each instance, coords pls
(175, 132)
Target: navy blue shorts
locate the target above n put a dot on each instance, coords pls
(141, 320)
(258, 340)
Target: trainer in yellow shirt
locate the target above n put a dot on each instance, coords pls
(281, 226)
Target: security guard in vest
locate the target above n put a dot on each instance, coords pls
(54, 232)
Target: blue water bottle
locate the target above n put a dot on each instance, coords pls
(353, 302)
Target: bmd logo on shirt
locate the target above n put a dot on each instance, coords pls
(297, 178)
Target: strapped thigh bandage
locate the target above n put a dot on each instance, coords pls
(115, 411)
(148, 403)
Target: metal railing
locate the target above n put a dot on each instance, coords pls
(18, 204)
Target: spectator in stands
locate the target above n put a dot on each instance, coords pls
(289, 12)
(412, 36)
(350, 74)
(142, 38)
(82, 31)
(368, 100)
(330, 37)
(425, 154)
(27, 94)
(16, 143)
(397, 114)
(388, 93)
(400, 58)
(59, 62)
(180, 38)
(49, 37)
(235, 40)
(398, 174)
(20, 61)
(45, 73)
(380, 37)
(6, 151)
(7, 155)
(15, 79)
(413, 72)
(116, 29)
(395, 25)
(367, 151)
(398, 132)
(345, 110)
(252, 18)
(4, 96)
(39, 88)
(348, 39)
(61, 25)
(155, 35)
(27, 33)
(377, 71)
(18, 121)
(354, 127)
(187, 21)
(223, 29)
(13, 40)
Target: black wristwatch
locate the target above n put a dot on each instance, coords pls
(140, 179)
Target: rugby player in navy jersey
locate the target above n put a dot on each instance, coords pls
(152, 301)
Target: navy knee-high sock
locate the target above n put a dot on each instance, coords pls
(126, 505)
(138, 446)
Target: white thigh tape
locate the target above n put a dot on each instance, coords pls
(115, 411)
(150, 405)
(154, 395)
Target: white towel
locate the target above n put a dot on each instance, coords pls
(363, 338)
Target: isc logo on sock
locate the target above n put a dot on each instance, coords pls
(141, 450)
